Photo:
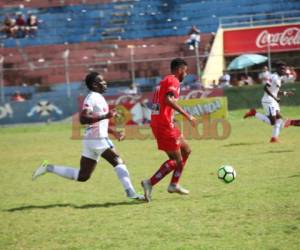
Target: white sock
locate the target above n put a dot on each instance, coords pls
(277, 127)
(263, 118)
(123, 175)
(66, 172)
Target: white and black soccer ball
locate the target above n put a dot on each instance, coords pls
(226, 173)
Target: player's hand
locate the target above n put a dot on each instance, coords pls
(111, 113)
(289, 93)
(119, 135)
(192, 120)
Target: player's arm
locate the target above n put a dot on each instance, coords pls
(266, 89)
(88, 117)
(171, 101)
(117, 134)
(286, 93)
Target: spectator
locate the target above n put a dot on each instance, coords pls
(245, 80)
(20, 25)
(32, 25)
(224, 80)
(293, 74)
(194, 39)
(132, 90)
(10, 27)
(17, 97)
(265, 75)
(290, 75)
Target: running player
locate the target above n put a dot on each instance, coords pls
(168, 137)
(270, 102)
(96, 114)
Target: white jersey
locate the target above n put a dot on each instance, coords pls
(265, 77)
(274, 87)
(95, 103)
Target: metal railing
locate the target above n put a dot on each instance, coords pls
(282, 17)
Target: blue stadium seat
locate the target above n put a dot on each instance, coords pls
(145, 19)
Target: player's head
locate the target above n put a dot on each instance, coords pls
(95, 82)
(280, 67)
(179, 68)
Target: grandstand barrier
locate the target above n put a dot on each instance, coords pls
(135, 109)
(250, 96)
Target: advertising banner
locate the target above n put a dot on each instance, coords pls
(214, 107)
(259, 40)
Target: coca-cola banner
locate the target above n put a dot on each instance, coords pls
(257, 40)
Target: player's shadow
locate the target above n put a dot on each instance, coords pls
(294, 176)
(87, 206)
(278, 151)
(240, 144)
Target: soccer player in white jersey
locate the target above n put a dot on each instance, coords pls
(96, 114)
(270, 102)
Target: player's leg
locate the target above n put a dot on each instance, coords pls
(88, 161)
(122, 172)
(87, 166)
(167, 167)
(278, 124)
(257, 115)
(289, 122)
(250, 113)
(263, 118)
(185, 149)
(174, 186)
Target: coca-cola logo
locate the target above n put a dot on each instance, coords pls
(286, 38)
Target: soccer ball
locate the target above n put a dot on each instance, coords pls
(226, 173)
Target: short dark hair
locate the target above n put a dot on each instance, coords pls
(90, 79)
(177, 63)
(278, 64)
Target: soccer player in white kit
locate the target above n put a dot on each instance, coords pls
(270, 102)
(96, 114)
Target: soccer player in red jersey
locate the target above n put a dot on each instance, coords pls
(295, 123)
(168, 136)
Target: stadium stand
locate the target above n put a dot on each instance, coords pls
(97, 34)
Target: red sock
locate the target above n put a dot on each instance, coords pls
(295, 122)
(165, 169)
(178, 171)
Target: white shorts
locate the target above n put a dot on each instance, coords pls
(94, 148)
(270, 107)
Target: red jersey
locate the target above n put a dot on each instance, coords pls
(162, 114)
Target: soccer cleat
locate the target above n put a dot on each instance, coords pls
(131, 194)
(250, 113)
(274, 140)
(147, 189)
(42, 169)
(287, 123)
(173, 188)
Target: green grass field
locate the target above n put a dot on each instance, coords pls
(260, 210)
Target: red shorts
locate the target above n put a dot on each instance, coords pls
(168, 139)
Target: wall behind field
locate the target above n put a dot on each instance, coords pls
(250, 96)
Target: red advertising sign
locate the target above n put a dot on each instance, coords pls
(257, 40)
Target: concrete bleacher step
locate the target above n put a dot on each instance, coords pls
(109, 31)
(104, 55)
(125, 1)
(119, 21)
(123, 7)
(111, 38)
(119, 14)
(109, 46)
